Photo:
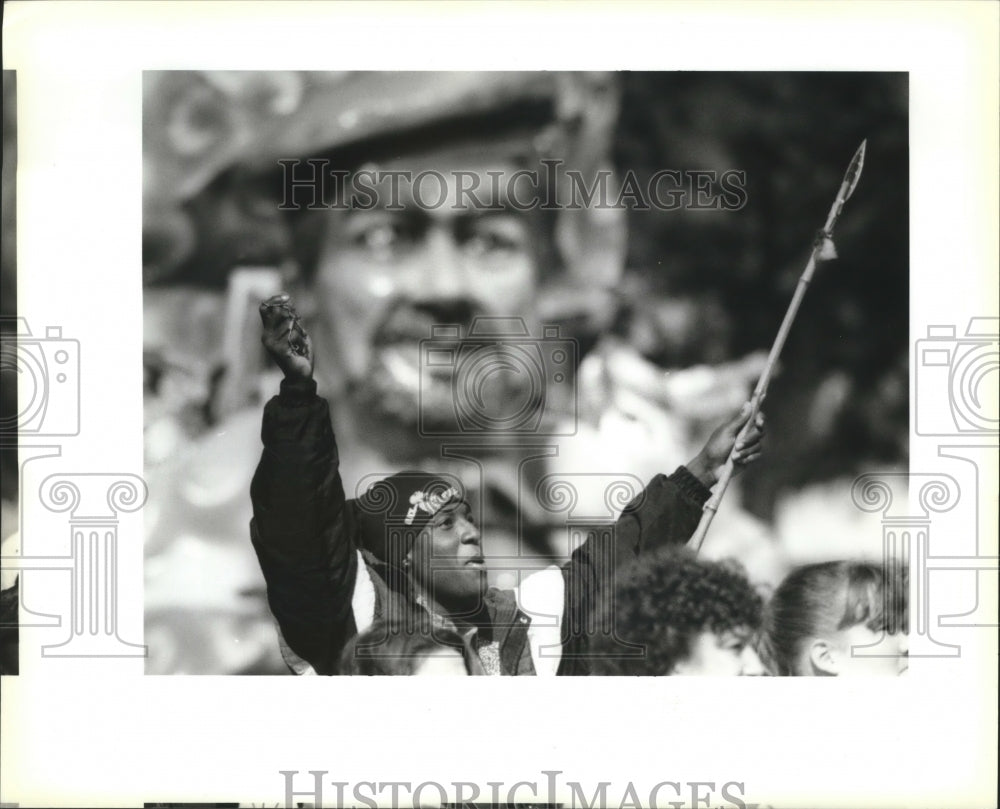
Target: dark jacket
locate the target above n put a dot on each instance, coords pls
(307, 541)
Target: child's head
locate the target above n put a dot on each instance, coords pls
(386, 649)
(689, 616)
(838, 618)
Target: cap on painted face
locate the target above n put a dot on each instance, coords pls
(202, 123)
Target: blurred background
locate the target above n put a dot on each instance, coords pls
(841, 402)
(673, 309)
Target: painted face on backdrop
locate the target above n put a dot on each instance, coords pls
(422, 256)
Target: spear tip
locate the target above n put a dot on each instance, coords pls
(854, 170)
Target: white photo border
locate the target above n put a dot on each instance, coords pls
(99, 732)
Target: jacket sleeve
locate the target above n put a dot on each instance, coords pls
(665, 513)
(302, 529)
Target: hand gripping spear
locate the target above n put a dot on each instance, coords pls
(822, 249)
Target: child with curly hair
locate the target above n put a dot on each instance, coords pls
(675, 613)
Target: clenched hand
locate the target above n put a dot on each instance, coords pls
(285, 339)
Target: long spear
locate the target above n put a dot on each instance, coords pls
(822, 249)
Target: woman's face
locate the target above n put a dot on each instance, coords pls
(447, 558)
(868, 652)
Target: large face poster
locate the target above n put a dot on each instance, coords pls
(677, 370)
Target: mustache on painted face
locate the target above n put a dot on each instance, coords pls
(393, 387)
(409, 322)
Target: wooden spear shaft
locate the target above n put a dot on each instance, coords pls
(823, 242)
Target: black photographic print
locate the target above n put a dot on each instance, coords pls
(548, 289)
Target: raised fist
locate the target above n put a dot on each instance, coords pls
(285, 339)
